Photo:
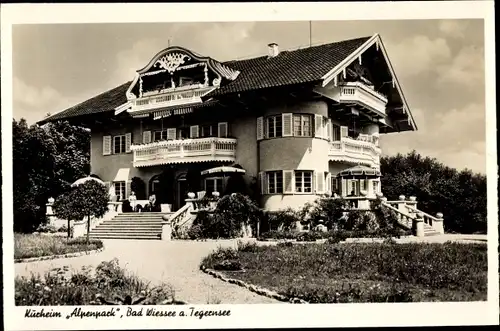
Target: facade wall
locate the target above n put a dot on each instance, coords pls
(294, 153)
(244, 129)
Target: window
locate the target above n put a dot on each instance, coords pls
(119, 143)
(375, 186)
(303, 181)
(183, 133)
(183, 81)
(160, 135)
(213, 185)
(302, 125)
(275, 182)
(335, 185)
(364, 184)
(209, 130)
(336, 132)
(120, 190)
(275, 126)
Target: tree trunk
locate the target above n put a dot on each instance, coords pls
(88, 229)
(69, 229)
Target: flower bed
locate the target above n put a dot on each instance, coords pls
(107, 284)
(360, 272)
(37, 245)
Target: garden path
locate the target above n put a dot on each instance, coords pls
(175, 263)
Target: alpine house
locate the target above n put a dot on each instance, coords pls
(301, 124)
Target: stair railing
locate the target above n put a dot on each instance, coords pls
(436, 222)
(404, 218)
(182, 214)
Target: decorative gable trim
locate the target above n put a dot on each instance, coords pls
(171, 58)
(356, 56)
(122, 108)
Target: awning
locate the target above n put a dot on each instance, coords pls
(360, 171)
(122, 175)
(223, 169)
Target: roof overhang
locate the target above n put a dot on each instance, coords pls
(357, 56)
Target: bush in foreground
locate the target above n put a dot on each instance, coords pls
(108, 283)
(35, 245)
(369, 272)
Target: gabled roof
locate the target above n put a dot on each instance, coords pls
(288, 67)
(307, 65)
(101, 103)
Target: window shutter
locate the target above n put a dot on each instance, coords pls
(128, 142)
(330, 129)
(106, 145)
(146, 137)
(223, 129)
(344, 131)
(288, 181)
(344, 188)
(194, 131)
(128, 188)
(328, 182)
(263, 182)
(260, 128)
(318, 125)
(108, 188)
(287, 124)
(171, 133)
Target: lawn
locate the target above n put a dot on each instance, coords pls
(361, 272)
(37, 245)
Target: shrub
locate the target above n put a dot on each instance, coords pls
(195, 232)
(285, 219)
(330, 211)
(107, 284)
(247, 246)
(46, 228)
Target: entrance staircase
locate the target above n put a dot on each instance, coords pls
(130, 226)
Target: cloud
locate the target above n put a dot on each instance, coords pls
(418, 55)
(455, 137)
(31, 96)
(453, 28)
(466, 68)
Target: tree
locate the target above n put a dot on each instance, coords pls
(64, 209)
(89, 199)
(46, 160)
(459, 195)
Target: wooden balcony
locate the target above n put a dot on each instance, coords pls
(362, 95)
(184, 151)
(172, 97)
(363, 150)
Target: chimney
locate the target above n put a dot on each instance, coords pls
(273, 50)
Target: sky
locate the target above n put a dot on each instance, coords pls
(439, 64)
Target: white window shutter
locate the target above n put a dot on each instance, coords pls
(344, 131)
(330, 129)
(263, 182)
(128, 142)
(171, 133)
(320, 182)
(288, 181)
(328, 182)
(223, 129)
(106, 145)
(287, 124)
(108, 187)
(260, 128)
(194, 131)
(343, 187)
(146, 137)
(318, 125)
(128, 189)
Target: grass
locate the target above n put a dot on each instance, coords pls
(363, 272)
(37, 245)
(108, 283)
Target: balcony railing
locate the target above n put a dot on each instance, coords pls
(357, 151)
(175, 97)
(184, 151)
(359, 93)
